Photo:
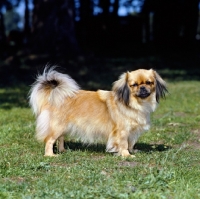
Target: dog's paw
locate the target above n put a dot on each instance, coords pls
(130, 150)
(131, 156)
(62, 150)
(51, 155)
(125, 153)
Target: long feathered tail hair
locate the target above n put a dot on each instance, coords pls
(52, 87)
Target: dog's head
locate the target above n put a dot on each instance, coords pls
(139, 84)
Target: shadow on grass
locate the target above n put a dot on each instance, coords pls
(13, 98)
(151, 147)
(101, 148)
(78, 146)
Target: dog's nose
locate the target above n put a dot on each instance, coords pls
(142, 88)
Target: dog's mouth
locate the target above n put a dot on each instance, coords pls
(143, 93)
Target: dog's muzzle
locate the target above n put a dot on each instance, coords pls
(143, 92)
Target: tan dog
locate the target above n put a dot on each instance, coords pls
(117, 117)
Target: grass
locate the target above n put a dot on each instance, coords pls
(167, 162)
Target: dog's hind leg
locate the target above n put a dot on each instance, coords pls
(49, 141)
(61, 147)
(55, 133)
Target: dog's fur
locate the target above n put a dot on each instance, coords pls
(117, 117)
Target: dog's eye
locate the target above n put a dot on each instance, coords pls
(148, 83)
(134, 85)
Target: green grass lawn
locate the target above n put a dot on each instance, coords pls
(167, 162)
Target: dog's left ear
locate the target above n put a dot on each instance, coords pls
(121, 89)
(161, 87)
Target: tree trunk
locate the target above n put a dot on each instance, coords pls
(190, 19)
(2, 36)
(116, 7)
(26, 22)
(53, 28)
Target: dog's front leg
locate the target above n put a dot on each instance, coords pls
(123, 144)
(132, 139)
(118, 143)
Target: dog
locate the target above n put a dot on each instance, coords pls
(117, 117)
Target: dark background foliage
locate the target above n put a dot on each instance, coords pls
(99, 38)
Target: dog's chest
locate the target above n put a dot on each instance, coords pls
(138, 122)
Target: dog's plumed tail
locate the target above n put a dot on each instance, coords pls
(50, 88)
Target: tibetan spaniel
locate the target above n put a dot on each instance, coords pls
(117, 117)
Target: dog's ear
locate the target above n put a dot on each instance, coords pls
(121, 89)
(161, 88)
